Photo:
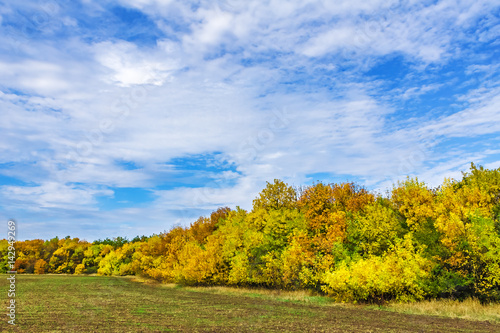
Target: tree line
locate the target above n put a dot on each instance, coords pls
(341, 240)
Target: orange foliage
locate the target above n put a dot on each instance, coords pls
(204, 227)
(325, 207)
(351, 197)
(40, 266)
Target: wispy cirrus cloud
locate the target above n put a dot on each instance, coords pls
(148, 113)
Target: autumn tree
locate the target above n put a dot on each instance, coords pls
(415, 202)
(275, 196)
(40, 266)
(204, 227)
(376, 229)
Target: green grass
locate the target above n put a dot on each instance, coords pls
(61, 303)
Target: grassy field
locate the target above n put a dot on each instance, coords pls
(53, 303)
(470, 309)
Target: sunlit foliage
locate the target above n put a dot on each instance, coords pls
(398, 274)
(339, 239)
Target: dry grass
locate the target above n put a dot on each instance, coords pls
(297, 295)
(469, 309)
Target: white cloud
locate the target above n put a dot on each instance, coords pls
(37, 76)
(53, 195)
(415, 92)
(481, 118)
(131, 66)
(216, 25)
(214, 82)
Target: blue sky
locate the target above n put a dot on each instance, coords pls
(124, 118)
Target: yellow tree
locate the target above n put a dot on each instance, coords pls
(415, 202)
(376, 229)
(277, 195)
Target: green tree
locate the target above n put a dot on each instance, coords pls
(277, 195)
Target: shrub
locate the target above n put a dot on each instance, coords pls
(399, 275)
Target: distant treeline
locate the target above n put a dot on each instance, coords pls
(338, 239)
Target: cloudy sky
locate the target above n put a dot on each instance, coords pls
(124, 118)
